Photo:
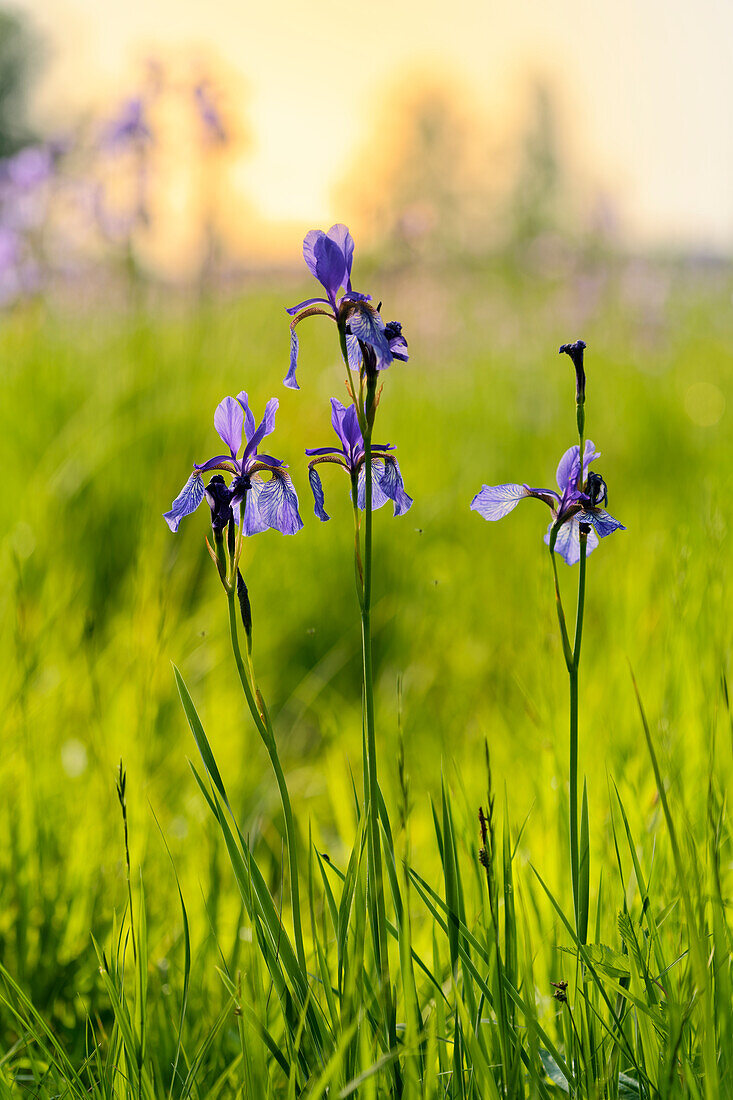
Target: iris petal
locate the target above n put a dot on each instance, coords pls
(186, 502)
(496, 501)
(228, 420)
(278, 504)
(317, 490)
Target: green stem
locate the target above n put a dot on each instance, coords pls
(574, 681)
(261, 719)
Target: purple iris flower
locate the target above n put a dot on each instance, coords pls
(329, 257)
(572, 508)
(387, 481)
(268, 503)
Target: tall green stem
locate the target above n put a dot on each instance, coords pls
(261, 719)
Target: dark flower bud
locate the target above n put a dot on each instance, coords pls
(561, 991)
(575, 351)
(240, 486)
(219, 498)
(393, 329)
(596, 489)
(244, 605)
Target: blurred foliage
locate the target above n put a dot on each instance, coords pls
(18, 53)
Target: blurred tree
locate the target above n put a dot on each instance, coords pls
(537, 193)
(18, 48)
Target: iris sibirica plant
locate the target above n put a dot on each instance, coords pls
(368, 346)
(578, 523)
(260, 495)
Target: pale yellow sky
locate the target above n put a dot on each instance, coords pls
(646, 87)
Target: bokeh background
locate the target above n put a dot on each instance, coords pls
(515, 177)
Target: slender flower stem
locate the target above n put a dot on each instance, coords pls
(261, 719)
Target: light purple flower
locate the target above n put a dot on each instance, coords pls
(387, 481)
(570, 508)
(329, 257)
(270, 502)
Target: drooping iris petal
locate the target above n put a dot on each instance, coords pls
(567, 544)
(368, 327)
(568, 468)
(353, 352)
(253, 522)
(317, 490)
(496, 501)
(603, 523)
(278, 504)
(228, 420)
(379, 497)
(186, 502)
(249, 419)
(290, 380)
(267, 425)
(392, 484)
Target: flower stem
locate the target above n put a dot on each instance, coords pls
(261, 719)
(574, 681)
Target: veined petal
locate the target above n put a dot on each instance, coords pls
(186, 502)
(253, 522)
(496, 501)
(267, 425)
(317, 490)
(278, 504)
(353, 352)
(368, 327)
(249, 420)
(392, 484)
(379, 497)
(228, 420)
(603, 523)
(290, 380)
(567, 544)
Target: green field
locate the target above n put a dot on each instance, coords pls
(101, 417)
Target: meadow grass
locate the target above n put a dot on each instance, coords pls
(194, 989)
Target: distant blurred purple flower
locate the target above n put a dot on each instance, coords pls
(128, 126)
(29, 167)
(570, 510)
(329, 257)
(387, 481)
(271, 503)
(209, 114)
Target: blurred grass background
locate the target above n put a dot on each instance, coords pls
(103, 413)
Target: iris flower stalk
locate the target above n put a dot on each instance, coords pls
(368, 346)
(247, 506)
(578, 523)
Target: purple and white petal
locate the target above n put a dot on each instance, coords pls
(317, 490)
(186, 502)
(290, 380)
(228, 420)
(379, 497)
(312, 452)
(601, 521)
(392, 484)
(496, 501)
(567, 544)
(253, 522)
(353, 352)
(368, 327)
(278, 504)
